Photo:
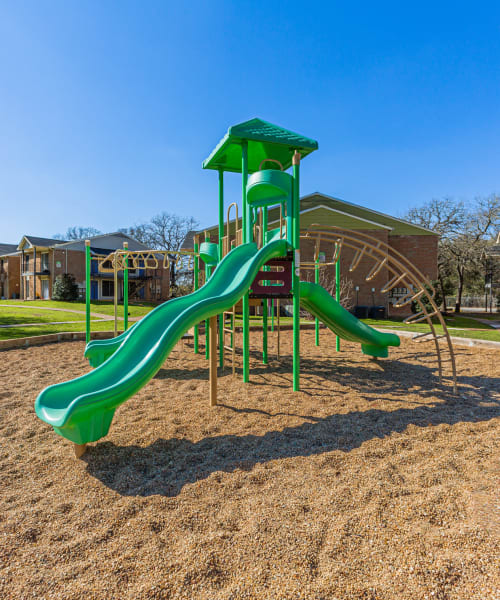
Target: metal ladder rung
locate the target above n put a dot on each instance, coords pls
(393, 282)
(421, 316)
(357, 257)
(228, 330)
(429, 333)
(410, 297)
(338, 248)
(421, 335)
(230, 348)
(376, 268)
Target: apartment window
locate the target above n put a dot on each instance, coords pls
(26, 263)
(44, 262)
(108, 289)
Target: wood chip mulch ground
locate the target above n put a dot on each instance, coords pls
(373, 482)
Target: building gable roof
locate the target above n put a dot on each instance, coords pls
(7, 249)
(105, 239)
(397, 226)
(31, 241)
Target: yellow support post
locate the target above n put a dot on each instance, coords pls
(213, 361)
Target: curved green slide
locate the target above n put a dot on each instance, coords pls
(82, 409)
(318, 302)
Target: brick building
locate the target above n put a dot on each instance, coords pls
(10, 271)
(417, 244)
(30, 271)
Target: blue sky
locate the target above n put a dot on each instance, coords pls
(107, 109)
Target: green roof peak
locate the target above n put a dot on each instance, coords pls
(265, 140)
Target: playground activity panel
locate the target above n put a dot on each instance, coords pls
(251, 263)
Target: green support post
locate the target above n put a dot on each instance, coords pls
(247, 237)
(337, 295)
(221, 235)
(265, 303)
(296, 271)
(316, 320)
(87, 290)
(196, 267)
(125, 288)
(264, 331)
(207, 321)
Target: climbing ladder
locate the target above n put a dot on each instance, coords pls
(230, 315)
(402, 274)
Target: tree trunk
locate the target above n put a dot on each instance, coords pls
(458, 303)
(441, 284)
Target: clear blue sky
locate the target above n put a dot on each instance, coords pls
(107, 109)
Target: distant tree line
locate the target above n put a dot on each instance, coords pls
(466, 231)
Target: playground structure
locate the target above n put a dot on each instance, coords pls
(251, 263)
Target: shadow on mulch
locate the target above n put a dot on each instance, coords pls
(167, 465)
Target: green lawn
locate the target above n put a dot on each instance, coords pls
(96, 306)
(10, 315)
(488, 316)
(44, 329)
(460, 325)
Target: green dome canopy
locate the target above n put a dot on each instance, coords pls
(265, 140)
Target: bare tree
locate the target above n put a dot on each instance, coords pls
(77, 233)
(447, 218)
(464, 234)
(165, 231)
(466, 250)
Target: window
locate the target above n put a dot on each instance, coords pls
(26, 263)
(108, 289)
(44, 266)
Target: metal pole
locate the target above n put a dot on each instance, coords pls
(316, 320)
(265, 303)
(87, 291)
(272, 315)
(296, 271)
(196, 267)
(337, 295)
(221, 235)
(115, 285)
(264, 331)
(213, 361)
(247, 237)
(125, 288)
(207, 321)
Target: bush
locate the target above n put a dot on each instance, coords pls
(65, 288)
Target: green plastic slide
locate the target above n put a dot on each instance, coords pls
(318, 302)
(81, 410)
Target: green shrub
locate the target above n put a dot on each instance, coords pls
(65, 288)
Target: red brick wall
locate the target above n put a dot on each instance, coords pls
(420, 250)
(12, 275)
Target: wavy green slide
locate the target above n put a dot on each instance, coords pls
(81, 410)
(318, 302)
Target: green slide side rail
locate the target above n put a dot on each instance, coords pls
(320, 304)
(82, 409)
(98, 351)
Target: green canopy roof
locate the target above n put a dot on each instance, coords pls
(265, 140)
